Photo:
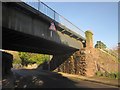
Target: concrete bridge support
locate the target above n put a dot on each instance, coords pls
(7, 74)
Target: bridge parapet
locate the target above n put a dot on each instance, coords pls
(63, 22)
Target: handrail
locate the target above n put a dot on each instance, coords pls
(45, 9)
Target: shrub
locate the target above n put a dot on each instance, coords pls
(98, 73)
(113, 75)
(30, 58)
(118, 75)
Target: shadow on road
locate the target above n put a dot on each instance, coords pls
(41, 79)
(32, 78)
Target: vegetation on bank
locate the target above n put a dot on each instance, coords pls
(26, 58)
(114, 75)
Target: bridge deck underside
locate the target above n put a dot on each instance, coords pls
(14, 40)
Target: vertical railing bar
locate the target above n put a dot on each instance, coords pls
(38, 5)
(60, 18)
(54, 15)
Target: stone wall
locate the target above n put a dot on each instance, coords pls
(74, 65)
(88, 61)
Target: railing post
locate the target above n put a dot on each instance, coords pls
(54, 15)
(39, 5)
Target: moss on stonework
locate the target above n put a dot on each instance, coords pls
(88, 31)
(89, 38)
(88, 35)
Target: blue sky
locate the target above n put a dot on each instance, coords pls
(99, 17)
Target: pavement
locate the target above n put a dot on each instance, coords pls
(103, 80)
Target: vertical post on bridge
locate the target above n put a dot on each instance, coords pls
(39, 5)
(89, 39)
(51, 33)
(52, 28)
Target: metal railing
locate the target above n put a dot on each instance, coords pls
(42, 7)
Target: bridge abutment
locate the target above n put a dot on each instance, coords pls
(81, 62)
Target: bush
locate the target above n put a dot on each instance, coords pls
(113, 75)
(98, 73)
(118, 75)
(17, 61)
(30, 58)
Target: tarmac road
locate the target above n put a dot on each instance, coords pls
(44, 79)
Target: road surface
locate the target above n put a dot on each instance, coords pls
(44, 79)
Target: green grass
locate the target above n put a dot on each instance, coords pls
(114, 75)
